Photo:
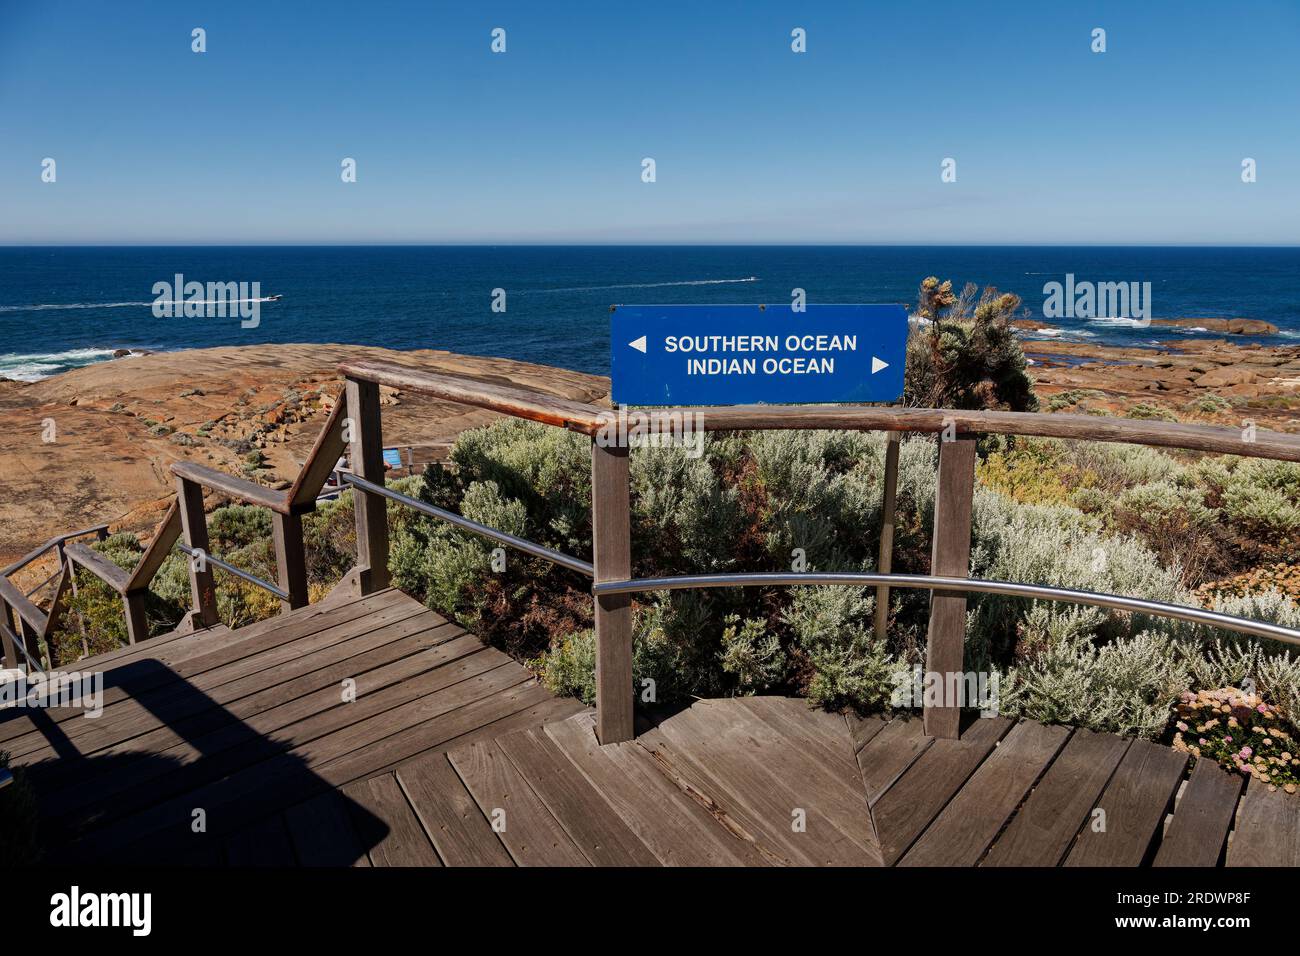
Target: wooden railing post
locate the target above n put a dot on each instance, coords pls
(366, 454)
(12, 657)
(137, 625)
(945, 654)
(290, 559)
(885, 557)
(194, 531)
(612, 558)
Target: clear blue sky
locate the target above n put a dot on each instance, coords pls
(753, 143)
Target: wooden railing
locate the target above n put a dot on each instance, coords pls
(355, 426)
(948, 582)
(183, 527)
(24, 626)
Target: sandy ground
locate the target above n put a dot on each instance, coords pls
(117, 426)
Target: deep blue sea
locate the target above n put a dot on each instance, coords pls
(61, 308)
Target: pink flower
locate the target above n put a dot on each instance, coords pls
(1262, 708)
(1180, 725)
(1246, 752)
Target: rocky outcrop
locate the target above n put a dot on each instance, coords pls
(1230, 326)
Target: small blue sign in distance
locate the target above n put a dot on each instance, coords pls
(741, 354)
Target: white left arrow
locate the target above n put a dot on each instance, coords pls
(877, 365)
(638, 344)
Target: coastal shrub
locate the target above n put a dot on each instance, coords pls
(1208, 405)
(94, 621)
(1033, 472)
(966, 355)
(757, 500)
(1126, 686)
(1050, 544)
(1146, 410)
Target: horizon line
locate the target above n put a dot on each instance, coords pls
(389, 243)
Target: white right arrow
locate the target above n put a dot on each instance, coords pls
(638, 344)
(877, 365)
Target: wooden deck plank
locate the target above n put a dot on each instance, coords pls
(263, 844)
(863, 729)
(827, 780)
(599, 832)
(262, 668)
(1268, 828)
(676, 829)
(530, 834)
(762, 785)
(1202, 816)
(1043, 829)
(918, 796)
(451, 818)
(966, 827)
(322, 833)
(184, 660)
(295, 775)
(537, 715)
(1134, 801)
(502, 696)
(399, 840)
(889, 752)
(822, 733)
(189, 763)
(222, 706)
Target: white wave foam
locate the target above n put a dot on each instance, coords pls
(1121, 322)
(36, 366)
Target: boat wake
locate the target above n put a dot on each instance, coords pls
(645, 285)
(127, 305)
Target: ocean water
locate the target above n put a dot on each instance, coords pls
(62, 308)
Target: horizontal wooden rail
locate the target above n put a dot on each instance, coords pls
(115, 577)
(519, 402)
(101, 530)
(25, 609)
(591, 419)
(238, 488)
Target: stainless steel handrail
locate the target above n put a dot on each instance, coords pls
(1011, 588)
(282, 594)
(522, 544)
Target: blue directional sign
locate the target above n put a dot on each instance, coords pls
(738, 354)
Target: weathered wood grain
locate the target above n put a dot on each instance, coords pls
(969, 823)
(1043, 829)
(1134, 802)
(1202, 816)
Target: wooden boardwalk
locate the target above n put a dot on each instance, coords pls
(374, 732)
